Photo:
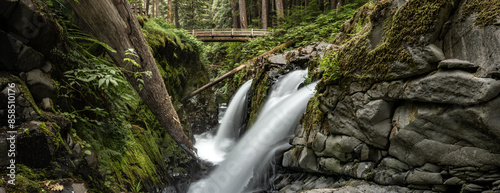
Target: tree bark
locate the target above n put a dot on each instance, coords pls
(234, 5)
(243, 14)
(333, 4)
(147, 8)
(112, 22)
(265, 14)
(153, 10)
(176, 13)
(232, 72)
(280, 12)
(140, 9)
(169, 10)
(158, 8)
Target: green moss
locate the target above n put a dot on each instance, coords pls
(260, 89)
(488, 11)
(314, 117)
(297, 150)
(6, 78)
(177, 56)
(402, 27)
(27, 180)
(54, 135)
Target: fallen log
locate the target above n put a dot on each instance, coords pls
(232, 72)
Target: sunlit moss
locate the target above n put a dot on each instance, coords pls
(402, 27)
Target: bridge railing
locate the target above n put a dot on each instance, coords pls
(229, 32)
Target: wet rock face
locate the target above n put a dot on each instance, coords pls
(434, 126)
(202, 112)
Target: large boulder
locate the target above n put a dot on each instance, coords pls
(451, 87)
(367, 121)
(425, 60)
(447, 135)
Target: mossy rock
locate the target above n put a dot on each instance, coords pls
(488, 12)
(361, 58)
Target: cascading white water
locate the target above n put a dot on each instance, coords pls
(275, 124)
(285, 86)
(213, 148)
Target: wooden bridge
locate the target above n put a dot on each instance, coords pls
(228, 35)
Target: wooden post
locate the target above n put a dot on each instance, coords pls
(232, 32)
(252, 31)
(232, 72)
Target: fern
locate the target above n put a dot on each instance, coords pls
(76, 38)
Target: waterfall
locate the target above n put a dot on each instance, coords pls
(269, 133)
(213, 148)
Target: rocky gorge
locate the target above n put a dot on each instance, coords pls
(414, 107)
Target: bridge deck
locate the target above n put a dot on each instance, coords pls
(228, 35)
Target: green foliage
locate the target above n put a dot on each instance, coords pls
(177, 55)
(329, 63)
(313, 27)
(137, 187)
(222, 13)
(195, 14)
(304, 26)
(108, 115)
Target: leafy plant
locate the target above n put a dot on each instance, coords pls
(137, 187)
(331, 66)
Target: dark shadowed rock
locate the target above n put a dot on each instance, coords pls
(41, 86)
(29, 59)
(37, 147)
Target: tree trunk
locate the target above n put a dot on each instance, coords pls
(265, 13)
(243, 14)
(232, 72)
(158, 8)
(147, 8)
(153, 10)
(176, 13)
(140, 9)
(169, 10)
(111, 22)
(234, 5)
(280, 12)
